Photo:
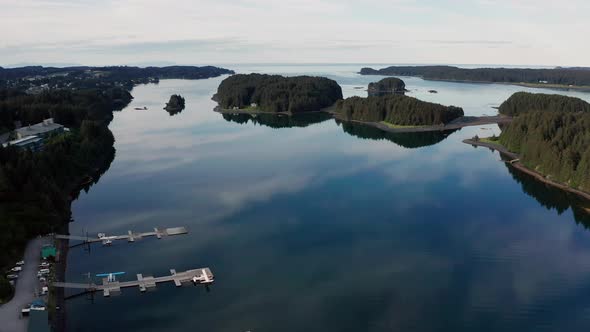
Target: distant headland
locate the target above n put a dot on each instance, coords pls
(557, 78)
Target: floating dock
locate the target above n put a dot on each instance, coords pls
(130, 236)
(202, 276)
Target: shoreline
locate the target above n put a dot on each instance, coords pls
(519, 166)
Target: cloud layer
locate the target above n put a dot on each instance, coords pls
(237, 31)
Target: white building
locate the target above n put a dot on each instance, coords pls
(43, 129)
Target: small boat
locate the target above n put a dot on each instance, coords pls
(141, 108)
(432, 91)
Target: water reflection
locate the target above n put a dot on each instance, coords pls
(406, 140)
(553, 198)
(279, 121)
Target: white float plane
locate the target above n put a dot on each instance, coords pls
(111, 277)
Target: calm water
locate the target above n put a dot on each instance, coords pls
(327, 227)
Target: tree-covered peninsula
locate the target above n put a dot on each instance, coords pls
(387, 86)
(274, 93)
(555, 143)
(522, 102)
(557, 76)
(396, 110)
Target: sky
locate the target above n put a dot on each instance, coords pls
(143, 32)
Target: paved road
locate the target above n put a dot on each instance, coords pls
(25, 289)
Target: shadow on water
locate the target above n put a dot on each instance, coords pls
(279, 120)
(406, 140)
(553, 198)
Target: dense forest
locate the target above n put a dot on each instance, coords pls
(274, 93)
(387, 86)
(562, 76)
(175, 105)
(279, 120)
(554, 142)
(396, 109)
(66, 107)
(521, 102)
(406, 140)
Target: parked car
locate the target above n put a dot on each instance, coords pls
(20, 263)
(44, 270)
(12, 276)
(44, 290)
(44, 264)
(16, 269)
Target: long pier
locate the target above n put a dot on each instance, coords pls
(202, 276)
(130, 236)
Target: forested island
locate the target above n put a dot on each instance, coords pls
(387, 86)
(37, 186)
(396, 110)
(175, 105)
(550, 134)
(557, 77)
(277, 94)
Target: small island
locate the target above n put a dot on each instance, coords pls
(175, 105)
(548, 139)
(387, 86)
(258, 93)
(560, 78)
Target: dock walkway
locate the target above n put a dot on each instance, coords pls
(202, 276)
(130, 236)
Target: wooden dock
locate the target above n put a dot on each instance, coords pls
(202, 276)
(130, 236)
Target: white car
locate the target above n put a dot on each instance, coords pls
(44, 264)
(12, 276)
(20, 263)
(16, 269)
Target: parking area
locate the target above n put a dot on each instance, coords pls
(31, 277)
